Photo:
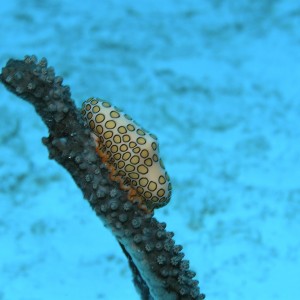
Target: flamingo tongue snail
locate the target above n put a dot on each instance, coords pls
(130, 153)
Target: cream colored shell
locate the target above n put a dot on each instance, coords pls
(130, 150)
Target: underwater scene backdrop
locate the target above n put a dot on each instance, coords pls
(218, 83)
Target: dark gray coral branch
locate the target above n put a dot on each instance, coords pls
(157, 263)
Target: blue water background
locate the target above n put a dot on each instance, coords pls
(218, 83)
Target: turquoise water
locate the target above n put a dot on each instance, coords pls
(218, 83)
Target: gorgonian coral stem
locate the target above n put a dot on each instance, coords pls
(157, 263)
